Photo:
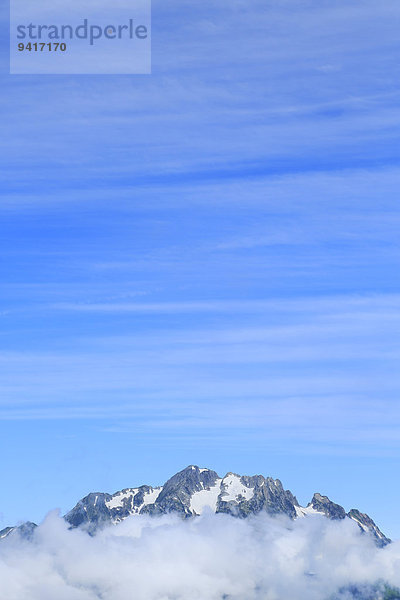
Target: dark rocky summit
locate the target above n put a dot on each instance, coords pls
(331, 510)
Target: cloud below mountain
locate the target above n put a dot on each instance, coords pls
(212, 557)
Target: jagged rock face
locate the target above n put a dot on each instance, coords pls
(97, 509)
(188, 493)
(366, 524)
(258, 494)
(26, 530)
(194, 491)
(91, 509)
(322, 504)
(6, 532)
(178, 491)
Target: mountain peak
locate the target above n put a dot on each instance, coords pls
(193, 491)
(324, 505)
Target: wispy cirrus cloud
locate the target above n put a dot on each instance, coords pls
(197, 255)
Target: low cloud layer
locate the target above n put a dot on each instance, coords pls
(208, 558)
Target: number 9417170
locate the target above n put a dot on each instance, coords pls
(42, 47)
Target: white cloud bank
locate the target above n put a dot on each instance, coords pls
(207, 558)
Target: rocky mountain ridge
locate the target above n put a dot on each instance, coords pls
(194, 490)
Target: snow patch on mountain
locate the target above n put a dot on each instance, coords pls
(118, 499)
(233, 487)
(307, 511)
(152, 496)
(206, 498)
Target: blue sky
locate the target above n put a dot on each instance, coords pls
(202, 265)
